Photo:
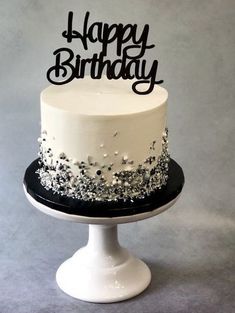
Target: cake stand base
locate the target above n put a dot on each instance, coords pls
(103, 271)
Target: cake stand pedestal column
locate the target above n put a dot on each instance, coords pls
(103, 271)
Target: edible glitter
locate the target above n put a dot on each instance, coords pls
(127, 184)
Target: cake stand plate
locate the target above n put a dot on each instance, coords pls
(103, 271)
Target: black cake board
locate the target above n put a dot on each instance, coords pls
(101, 209)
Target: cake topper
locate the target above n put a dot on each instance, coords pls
(130, 50)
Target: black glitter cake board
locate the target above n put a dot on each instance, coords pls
(101, 209)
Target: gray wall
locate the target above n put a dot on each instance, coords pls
(190, 248)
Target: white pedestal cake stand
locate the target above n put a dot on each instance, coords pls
(102, 271)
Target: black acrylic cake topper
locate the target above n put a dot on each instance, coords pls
(129, 65)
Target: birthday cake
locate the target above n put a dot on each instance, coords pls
(102, 142)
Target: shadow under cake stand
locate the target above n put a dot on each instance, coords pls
(103, 271)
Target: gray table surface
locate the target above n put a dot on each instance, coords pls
(189, 248)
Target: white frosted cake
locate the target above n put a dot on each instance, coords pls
(102, 142)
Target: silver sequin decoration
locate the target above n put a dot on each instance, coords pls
(128, 185)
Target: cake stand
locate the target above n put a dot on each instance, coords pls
(103, 271)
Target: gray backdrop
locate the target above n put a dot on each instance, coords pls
(190, 248)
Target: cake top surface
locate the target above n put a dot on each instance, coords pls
(102, 97)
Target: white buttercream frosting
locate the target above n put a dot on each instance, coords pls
(102, 97)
